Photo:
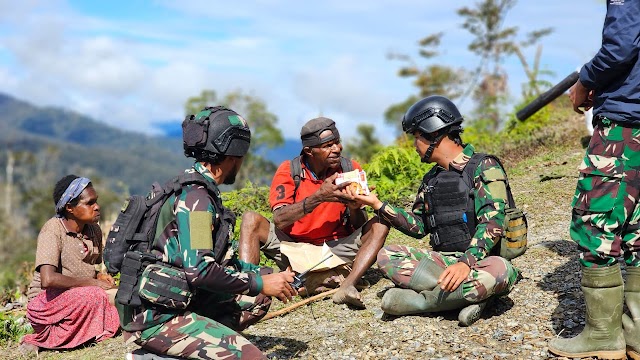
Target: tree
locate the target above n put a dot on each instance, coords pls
(365, 146)
(196, 103)
(264, 132)
(431, 79)
(493, 43)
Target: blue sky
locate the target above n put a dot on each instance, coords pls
(133, 64)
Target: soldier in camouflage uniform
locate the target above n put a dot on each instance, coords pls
(460, 273)
(606, 210)
(228, 296)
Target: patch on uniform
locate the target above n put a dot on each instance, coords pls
(495, 179)
(493, 174)
(498, 190)
(200, 230)
(237, 120)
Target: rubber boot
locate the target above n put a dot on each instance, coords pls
(425, 275)
(399, 301)
(471, 313)
(631, 324)
(602, 335)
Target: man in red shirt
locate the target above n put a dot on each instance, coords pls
(317, 212)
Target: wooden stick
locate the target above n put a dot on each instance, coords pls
(298, 304)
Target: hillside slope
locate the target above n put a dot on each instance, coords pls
(73, 141)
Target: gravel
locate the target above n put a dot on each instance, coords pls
(547, 300)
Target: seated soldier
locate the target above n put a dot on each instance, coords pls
(465, 220)
(316, 211)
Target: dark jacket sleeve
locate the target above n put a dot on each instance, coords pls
(620, 45)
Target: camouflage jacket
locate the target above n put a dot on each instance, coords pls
(185, 238)
(490, 198)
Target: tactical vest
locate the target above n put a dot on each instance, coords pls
(451, 215)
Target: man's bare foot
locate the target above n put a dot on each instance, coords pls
(348, 295)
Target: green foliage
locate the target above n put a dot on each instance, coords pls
(12, 328)
(249, 198)
(365, 146)
(396, 171)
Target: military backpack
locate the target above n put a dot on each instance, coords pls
(128, 245)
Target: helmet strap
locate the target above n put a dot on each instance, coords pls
(432, 147)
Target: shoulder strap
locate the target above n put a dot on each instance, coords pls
(470, 169)
(296, 171)
(472, 165)
(346, 164)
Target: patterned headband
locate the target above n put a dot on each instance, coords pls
(73, 191)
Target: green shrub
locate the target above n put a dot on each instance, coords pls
(396, 172)
(12, 328)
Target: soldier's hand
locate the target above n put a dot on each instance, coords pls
(453, 276)
(330, 192)
(279, 285)
(371, 200)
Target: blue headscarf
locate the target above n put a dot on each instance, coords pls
(73, 191)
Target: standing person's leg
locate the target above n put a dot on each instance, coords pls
(373, 237)
(631, 249)
(602, 206)
(197, 337)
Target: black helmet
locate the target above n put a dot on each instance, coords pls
(215, 130)
(431, 114)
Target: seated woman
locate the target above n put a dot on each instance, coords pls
(68, 305)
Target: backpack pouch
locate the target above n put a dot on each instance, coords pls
(166, 286)
(514, 241)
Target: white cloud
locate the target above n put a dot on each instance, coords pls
(301, 58)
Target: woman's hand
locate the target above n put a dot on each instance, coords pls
(106, 277)
(49, 277)
(104, 284)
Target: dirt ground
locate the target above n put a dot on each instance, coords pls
(546, 302)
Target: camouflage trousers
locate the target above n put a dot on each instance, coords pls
(490, 276)
(208, 331)
(606, 210)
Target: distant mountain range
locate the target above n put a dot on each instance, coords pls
(76, 143)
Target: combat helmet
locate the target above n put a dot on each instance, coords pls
(434, 116)
(431, 114)
(215, 131)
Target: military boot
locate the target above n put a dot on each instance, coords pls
(399, 301)
(425, 275)
(631, 324)
(602, 335)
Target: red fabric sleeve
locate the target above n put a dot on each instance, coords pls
(282, 186)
